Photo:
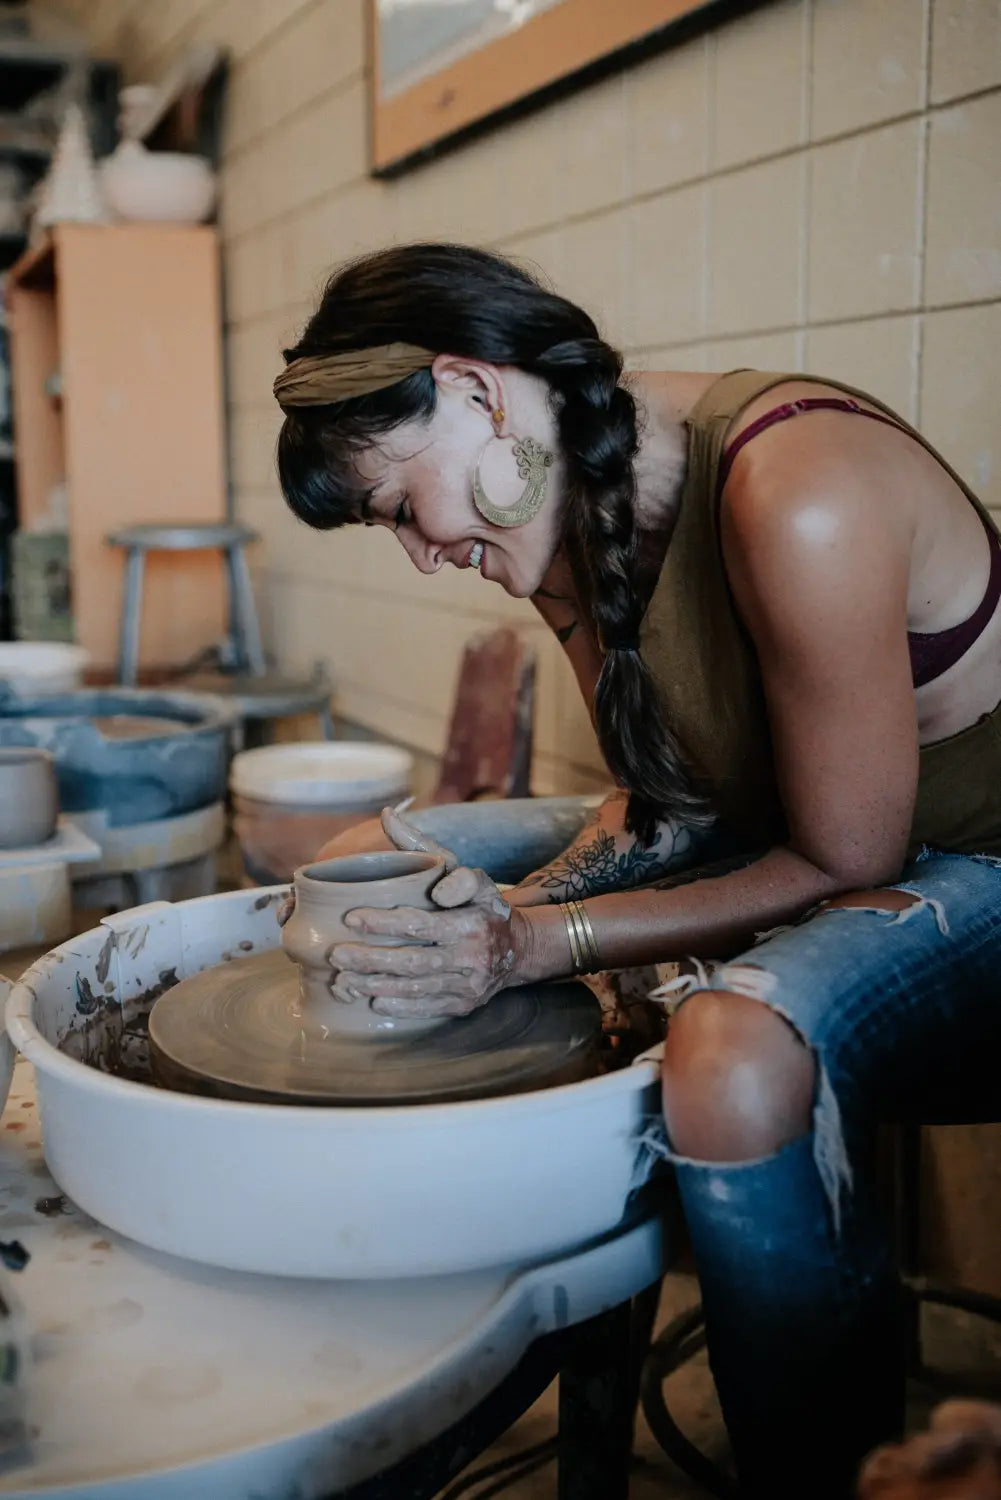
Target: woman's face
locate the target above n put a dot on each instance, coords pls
(421, 476)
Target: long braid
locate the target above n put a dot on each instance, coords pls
(598, 436)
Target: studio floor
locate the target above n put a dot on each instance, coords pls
(964, 1353)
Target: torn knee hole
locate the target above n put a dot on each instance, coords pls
(882, 900)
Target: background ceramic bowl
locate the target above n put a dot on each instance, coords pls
(29, 797)
(28, 667)
(168, 186)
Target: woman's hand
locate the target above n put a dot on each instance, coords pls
(456, 958)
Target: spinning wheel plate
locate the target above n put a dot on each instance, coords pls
(237, 1031)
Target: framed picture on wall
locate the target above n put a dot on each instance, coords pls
(445, 69)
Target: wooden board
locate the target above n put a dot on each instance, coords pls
(566, 39)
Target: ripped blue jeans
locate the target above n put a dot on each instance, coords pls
(902, 1013)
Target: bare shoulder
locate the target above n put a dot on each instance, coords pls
(817, 476)
(809, 526)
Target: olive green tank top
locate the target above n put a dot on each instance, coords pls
(706, 670)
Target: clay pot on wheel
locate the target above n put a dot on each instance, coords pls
(29, 797)
(323, 894)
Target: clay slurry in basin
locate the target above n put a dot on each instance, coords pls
(268, 1028)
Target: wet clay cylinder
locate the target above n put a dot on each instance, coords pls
(323, 894)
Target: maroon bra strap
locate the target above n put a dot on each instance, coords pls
(931, 652)
(782, 414)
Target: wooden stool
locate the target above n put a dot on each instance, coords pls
(226, 537)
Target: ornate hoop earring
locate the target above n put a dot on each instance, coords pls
(533, 460)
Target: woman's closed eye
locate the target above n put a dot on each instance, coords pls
(402, 516)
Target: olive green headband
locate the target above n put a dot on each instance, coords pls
(319, 379)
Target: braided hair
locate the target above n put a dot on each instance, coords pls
(464, 301)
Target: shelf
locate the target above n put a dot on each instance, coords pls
(11, 246)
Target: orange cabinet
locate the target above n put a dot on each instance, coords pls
(116, 359)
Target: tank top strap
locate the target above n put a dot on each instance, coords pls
(726, 398)
(721, 404)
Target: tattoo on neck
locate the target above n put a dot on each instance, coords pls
(564, 633)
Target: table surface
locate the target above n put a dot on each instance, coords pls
(158, 1379)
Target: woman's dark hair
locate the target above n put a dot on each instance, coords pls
(455, 299)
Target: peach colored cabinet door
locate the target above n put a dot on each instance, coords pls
(138, 334)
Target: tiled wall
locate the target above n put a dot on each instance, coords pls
(812, 187)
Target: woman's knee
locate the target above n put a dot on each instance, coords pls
(738, 1081)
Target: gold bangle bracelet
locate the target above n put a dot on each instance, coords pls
(595, 957)
(583, 947)
(576, 953)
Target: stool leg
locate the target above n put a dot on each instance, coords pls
(248, 635)
(596, 1405)
(128, 644)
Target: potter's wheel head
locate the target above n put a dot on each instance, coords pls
(235, 1031)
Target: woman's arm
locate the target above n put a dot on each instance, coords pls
(604, 857)
(819, 567)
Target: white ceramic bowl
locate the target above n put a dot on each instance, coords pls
(37, 668)
(339, 775)
(295, 1191)
(165, 186)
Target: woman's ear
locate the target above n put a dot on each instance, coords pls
(480, 383)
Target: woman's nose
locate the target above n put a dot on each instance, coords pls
(426, 556)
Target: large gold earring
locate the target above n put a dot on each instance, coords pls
(533, 460)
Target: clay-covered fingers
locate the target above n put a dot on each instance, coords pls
(446, 994)
(403, 835)
(425, 1008)
(378, 987)
(366, 958)
(467, 887)
(410, 922)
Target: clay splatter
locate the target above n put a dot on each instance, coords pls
(86, 1001)
(103, 966)
(50, 1207)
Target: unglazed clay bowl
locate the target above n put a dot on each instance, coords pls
(323, 894)
(29, 797)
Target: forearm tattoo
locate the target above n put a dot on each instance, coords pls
(594, 864)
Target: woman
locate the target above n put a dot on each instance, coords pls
(782, 606)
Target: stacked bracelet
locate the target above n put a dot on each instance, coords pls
(583, 948)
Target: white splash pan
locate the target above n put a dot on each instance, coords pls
(364, 1193)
